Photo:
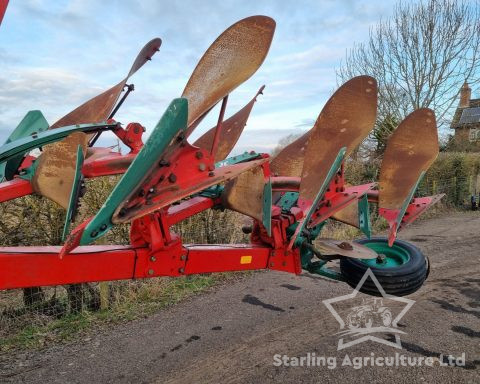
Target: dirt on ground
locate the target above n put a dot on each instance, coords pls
(238, 333)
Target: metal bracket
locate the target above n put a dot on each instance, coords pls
(395, 216)
(246, 156)
(33, 123)
(364, 222)
(267, 207)
(331, 173)
(74, 194)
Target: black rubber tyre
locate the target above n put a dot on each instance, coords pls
(399, 280)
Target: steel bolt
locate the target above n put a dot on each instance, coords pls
(151, 272)
(153, 258)
(202, 167)
(272, 264)
(103, 227)
(94, 234)
(172, 178)
(181, 270)
(211, 173)
(163, 163)
(199, 155)
(183, 257)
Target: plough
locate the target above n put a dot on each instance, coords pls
(289, 197)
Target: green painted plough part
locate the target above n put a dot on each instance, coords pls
(33, 123)
(75, 194)
(24, 145)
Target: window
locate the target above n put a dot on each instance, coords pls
(474, 134)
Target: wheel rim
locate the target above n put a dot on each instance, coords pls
(394, 256)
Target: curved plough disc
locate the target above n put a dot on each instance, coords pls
(348, 215)
(55, 173)
(345, 121)
(100, 107)
(289, 161)
(232, 129)
(411, 149)
(57, 185)
(244, 194)
(232, 58)
(347, 118)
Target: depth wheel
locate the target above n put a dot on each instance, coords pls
(400, 269)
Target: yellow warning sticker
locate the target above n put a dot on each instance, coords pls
(246, 260)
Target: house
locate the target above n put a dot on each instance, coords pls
(466, 121)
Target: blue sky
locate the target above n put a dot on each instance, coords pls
(55, 55)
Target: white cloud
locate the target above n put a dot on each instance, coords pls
(56, 55)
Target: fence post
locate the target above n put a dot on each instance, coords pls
(455, 191)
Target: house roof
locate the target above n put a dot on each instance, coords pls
(467, 120)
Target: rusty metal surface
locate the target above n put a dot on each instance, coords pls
(345, 121)
(348, 215)
(55, 172)
(99, 108)
(344, 248)
(168, 194)
(245, 193)
(289, 161)
(411, 149)
(232, 58)
(231, 131)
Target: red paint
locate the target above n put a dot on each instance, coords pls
(110, 164)
(12, 189)
(3, 8)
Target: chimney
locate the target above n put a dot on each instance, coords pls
(465, 94)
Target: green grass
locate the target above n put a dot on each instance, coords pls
(141, 299)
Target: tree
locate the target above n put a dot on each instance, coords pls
(420, 56)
